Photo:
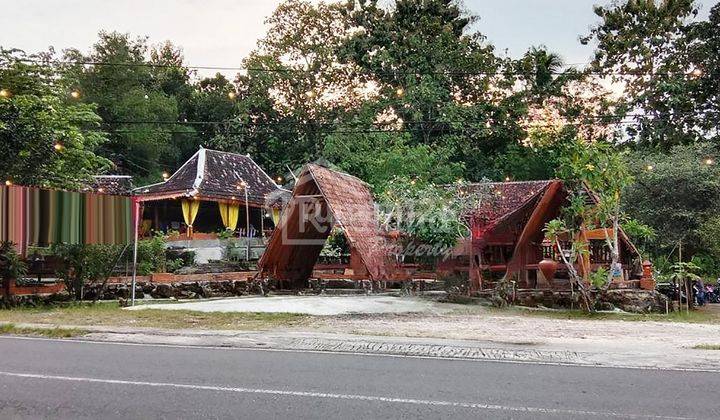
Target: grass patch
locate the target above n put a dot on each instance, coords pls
(696, 316)
(42, 332)
(707, 347)
(110, 314)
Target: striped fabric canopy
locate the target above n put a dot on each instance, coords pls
(33, 216)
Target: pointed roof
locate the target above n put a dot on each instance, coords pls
(340, 199)
(214, 174)
(498, 200)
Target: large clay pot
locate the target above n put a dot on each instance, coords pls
(548, 267)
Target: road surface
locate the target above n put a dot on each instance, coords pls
(42, 378)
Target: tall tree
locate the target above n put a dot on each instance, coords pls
(436, 77)
(48, 137)
(136, 112)
(667, 63)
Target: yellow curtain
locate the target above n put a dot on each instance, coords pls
(276, 216)
(229, 214)
(190, 210)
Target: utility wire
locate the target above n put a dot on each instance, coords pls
(55, 63)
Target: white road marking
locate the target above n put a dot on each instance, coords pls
(355, 353)
(323, 395)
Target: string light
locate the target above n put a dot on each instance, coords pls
(310, 94)
(165, 175)
(412, 182)
(4, 93)
(279, 179)
(58, 146)
(696, 73)
(709, 161)
(8, 182)
(75, 94)
(232, 95)
(101, 190)
(400, 92)
(649, 167)
(507, 179)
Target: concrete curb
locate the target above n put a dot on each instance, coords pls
(695, 360)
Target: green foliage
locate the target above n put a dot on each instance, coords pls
(678, 198)
(136, 101)
(151, 256)
(85, 264)
(11, 266)
(675, 58)
(39, 113)
(599, 277)
(336, 245)
(640, 233)
(378, 158)
(427, 213)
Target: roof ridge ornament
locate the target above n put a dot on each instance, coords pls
(200, 169)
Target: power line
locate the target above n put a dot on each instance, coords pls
(55, 63)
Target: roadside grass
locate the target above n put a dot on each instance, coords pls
(695, 316)
(56, 332)
(110, 314)
(707, 347)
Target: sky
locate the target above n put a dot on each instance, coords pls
(220, 33)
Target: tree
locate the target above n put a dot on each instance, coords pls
(436, 78)
(678, 195)
(137, 113)
(595, 169)
(380, 157)
(48, 137)
(428, 217)
(667, 64)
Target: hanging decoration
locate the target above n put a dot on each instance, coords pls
(40, 217)
(190, 210)
(229, 214)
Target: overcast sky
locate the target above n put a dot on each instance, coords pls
(222, 32)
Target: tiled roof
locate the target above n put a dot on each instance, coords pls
(496, 200)
(351, 204)
(110, 184)
(215, 174)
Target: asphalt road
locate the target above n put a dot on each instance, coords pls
(68, 379)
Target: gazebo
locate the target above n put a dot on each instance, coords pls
(212, 192)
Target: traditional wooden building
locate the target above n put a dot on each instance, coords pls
(213, 192)
(324, 198)
(507, 238)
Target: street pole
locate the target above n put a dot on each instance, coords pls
(136, 220)
(247, 223)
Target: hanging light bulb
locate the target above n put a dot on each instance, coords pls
(507, 179)
(165, 175)
(400, 92)
(75, 94)
(649, 167)
(4, 93)
(232, 95)
(58, 146)
(709, 161)
(8, 182)
(279, 179)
